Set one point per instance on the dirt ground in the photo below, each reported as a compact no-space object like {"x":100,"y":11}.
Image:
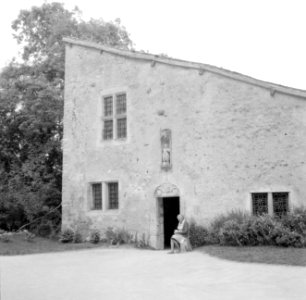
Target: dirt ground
{"x":97,"y":274}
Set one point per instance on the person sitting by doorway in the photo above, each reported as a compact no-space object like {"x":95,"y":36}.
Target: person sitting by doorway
{"x":180,"y":237}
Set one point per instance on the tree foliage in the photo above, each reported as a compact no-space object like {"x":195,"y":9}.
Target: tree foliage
{"x":31,"y":109}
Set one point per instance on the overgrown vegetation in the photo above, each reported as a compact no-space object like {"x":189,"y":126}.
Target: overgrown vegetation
{"x":67,"y":236}
{"x":118,"y":236}
{"x":31,"y":112}
{"x":233,"y":229}
{"x":198,"y":235}
{"x":95,"y":237}
{"x":111,"y":236}
{"x":239,"y":229}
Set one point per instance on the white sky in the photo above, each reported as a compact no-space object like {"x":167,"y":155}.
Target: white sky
{"x":265,"y":39}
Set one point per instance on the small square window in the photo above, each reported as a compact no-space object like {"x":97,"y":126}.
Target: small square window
{"x":108,"y":106}
{"x":121,"y":128}
{"x":260,"y":203}
{"x":97,"y":195}
{"x":121,"y":104}
{"x":280,"y":203}
{"x":113,"y":197}
{"x":108,"y":130}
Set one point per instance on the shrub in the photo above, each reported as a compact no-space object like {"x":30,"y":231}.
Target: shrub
{"x":282,"y":236}
{"x":143,"y":242}
{"x":29,"y":236}
{"x":77,"y":238}
{"x":251,"y":232}
{"x":239,"y":229}
{"x":260,"y":229}
{"x":118,"y":236}
{"x":198,"y":235}
{"x":218,"y":222}
{"x":290,"y":239}
{"x":110,"y":235}
{"x":232,"y":234}
{"x":5,"y":237}
{"x":245,"y":234}
{"x":67,"y":236}
{"x":295,"y":221}
{"x":44,"y":230}
{"x":123,"y":236}
{"x":95,"y":237}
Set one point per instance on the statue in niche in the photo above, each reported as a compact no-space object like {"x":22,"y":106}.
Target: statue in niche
{"x":166,"y":149}
{"x":166,"y":156}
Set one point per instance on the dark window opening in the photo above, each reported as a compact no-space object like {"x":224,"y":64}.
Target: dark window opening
{"x":280,"y":203}
{"x":121,"y":104}
{"x":121,"y":128}
{"x":114,"y":117}
{"x":113,"y":195}
{"x":97,"y":195}
{"x":108,"y":130}
{"x":108,"y":106}
{"x":260,"y":203}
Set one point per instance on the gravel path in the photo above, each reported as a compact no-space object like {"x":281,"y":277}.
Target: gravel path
{"x":143,"y":274}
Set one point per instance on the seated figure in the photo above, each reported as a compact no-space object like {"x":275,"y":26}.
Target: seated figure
{"x":180,"y":237}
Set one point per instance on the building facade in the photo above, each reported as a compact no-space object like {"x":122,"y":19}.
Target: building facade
{"x":147,"y":137}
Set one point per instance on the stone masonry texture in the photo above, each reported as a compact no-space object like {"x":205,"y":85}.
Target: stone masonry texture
{"x":229,"y":138}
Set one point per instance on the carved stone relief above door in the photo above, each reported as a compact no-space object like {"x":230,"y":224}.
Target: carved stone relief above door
{"x":167,"y":189}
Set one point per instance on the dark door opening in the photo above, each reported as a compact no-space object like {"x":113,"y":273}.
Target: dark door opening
{"x":171,"y":207}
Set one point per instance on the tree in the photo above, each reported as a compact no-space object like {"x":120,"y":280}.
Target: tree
{"x":31,"y":109}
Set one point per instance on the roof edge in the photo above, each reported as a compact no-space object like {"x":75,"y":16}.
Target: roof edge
{"x":273,"y":87}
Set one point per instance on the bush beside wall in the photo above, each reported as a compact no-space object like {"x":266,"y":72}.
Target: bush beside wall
{"x":233,"y":229}
{"x":239,"y":229}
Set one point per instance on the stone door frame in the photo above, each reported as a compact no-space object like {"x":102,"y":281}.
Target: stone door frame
{"x":165,"y":190}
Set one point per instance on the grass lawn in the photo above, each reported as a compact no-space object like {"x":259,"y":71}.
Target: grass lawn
{"x":266,"y":255}
{"x":18,"y":245}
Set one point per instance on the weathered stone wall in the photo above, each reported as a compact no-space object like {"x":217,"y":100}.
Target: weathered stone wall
{"x":229,"y":139}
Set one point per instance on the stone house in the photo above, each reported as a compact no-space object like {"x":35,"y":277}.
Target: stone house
{"x":147,"y":137}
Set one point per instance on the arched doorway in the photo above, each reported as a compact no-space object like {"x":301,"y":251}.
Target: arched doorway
{"x":168,"y":207}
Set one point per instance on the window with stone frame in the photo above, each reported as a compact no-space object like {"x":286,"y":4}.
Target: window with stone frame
{"x":280,"y":203}
{"x":108,"y":106}
{"x":113,"y":195}
{"x":121,"y":128}
{"x":115,"y":116}
{"x":97,"y":195}
{"x":108,"y":130}
{"x":259,"y":203}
